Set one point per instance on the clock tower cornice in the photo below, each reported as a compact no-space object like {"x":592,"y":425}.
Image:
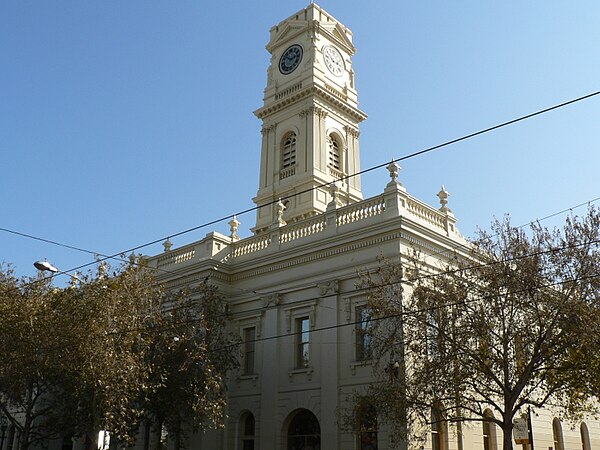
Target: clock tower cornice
{"x":313,"y":21}
{"x":334,"y":98}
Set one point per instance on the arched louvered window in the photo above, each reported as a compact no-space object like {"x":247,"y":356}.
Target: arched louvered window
{"x":288,"y":150}
{"x":334,"y":152}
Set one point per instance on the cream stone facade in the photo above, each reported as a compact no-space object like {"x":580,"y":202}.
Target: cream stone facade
{"x":291,"y":288}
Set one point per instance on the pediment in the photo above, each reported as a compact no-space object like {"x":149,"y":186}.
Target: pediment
{"x":287,"y":32}
{"x":337,"y":32}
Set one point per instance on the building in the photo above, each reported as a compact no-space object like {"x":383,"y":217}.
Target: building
{"x":291,"y":287}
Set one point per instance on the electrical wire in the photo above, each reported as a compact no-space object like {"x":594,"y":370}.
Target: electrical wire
{"x":403,"y":313}
{"x":245,"y":211}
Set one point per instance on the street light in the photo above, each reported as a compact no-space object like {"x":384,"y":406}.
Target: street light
{"x":45,"y":266}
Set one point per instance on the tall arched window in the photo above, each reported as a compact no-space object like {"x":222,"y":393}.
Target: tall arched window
{"x":489,"y":431}
{"x":439,"y":430}
{"x":247,"y":431}
{"x":585,"y":437}
{"x":304,"y":431}
{"x":367,"y":427}
{"x":334,"y":152}
{"x":557,"y":434}
{"x":288,"y":150}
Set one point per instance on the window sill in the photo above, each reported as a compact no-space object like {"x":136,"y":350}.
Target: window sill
{"x":307,"y":370}
{"x":248,"y":377}
{"x":361,"y":363}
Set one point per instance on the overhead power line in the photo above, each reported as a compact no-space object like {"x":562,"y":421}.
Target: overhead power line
{"x":245,"y":211}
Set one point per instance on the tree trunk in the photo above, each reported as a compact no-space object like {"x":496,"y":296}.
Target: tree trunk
{"x":24,"y":435}
{"x":507,"y":427}
{"x":177,"y":437}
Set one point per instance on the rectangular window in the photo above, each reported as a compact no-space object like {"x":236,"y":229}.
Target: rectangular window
{"x":433,"y":335}
{"x":249,"y":349}
{"x":302,"y":341}
{"x":363,"y":338}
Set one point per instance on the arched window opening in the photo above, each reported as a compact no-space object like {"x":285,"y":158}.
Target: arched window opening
{"x":557,"y":434}
{"x":439,"y":430}
{"x":304,"y":432}
{"x":288,"y":151}
{"x":585,"y":437}
{"x":334,"y":152}
{"x":489,"y":431}
{"x":367,"y":427}
{"x":247,"y":428}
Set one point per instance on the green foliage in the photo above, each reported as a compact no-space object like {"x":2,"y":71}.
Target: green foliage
{"x":189,"y":363}
{"x":514,"y":323}
{"x":108,"y":353}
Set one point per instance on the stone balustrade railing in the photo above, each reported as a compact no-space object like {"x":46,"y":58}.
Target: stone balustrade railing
{"x":250,"y":245}
{"x":228,"y":249}
{"x":426,"y":212}
{"x":360,"y":211}
{"x":177,"y":256}
{"x":302,"y":229}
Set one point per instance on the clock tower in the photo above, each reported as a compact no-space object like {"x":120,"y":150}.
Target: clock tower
{"x":310,"y":119}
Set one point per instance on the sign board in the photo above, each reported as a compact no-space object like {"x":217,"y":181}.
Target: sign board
{"x":520,"y":431}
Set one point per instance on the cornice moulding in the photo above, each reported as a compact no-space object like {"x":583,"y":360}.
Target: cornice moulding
{"x":316,"y":90}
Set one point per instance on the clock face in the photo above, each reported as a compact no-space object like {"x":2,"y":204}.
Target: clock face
{"x":290,"y":59}
{"x":333,"y":60}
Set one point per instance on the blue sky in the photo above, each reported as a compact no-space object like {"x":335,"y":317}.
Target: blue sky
{"x":123,"y":122}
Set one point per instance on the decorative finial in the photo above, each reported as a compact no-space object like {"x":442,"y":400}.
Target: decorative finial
{"x":233,"y":227}
{"x":394,"y":169}
{"x":334,"y":191}
{"x":167,"y":245}
{"x":443,"y":196}
{"x":74,"y":280}
{"x":102,"y":269}
{"x":280,"y":209}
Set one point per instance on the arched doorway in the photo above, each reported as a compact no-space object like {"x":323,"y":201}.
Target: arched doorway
{"x":303,"y":431}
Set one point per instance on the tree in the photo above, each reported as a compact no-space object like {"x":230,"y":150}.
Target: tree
{"x":190,"y":361}
{"x":72,"y":359}
{"x":28,"y":349}
{"x":95,"y":356}
{"x":513,"y":324}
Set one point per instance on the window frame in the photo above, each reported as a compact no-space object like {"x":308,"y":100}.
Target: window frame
{"x":489,"y":431}
{"x":334,"y":152}
{"x":439,"y":429}
{"x":585,"y":436}
{"x":288,"y":150}
{"x":302,"y":341}
{"x":368,"y":427}
{"x":362,"y":325}
{"x":249,"y":355}
{"x":303,"y":435}
{"x":557,"y":435}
